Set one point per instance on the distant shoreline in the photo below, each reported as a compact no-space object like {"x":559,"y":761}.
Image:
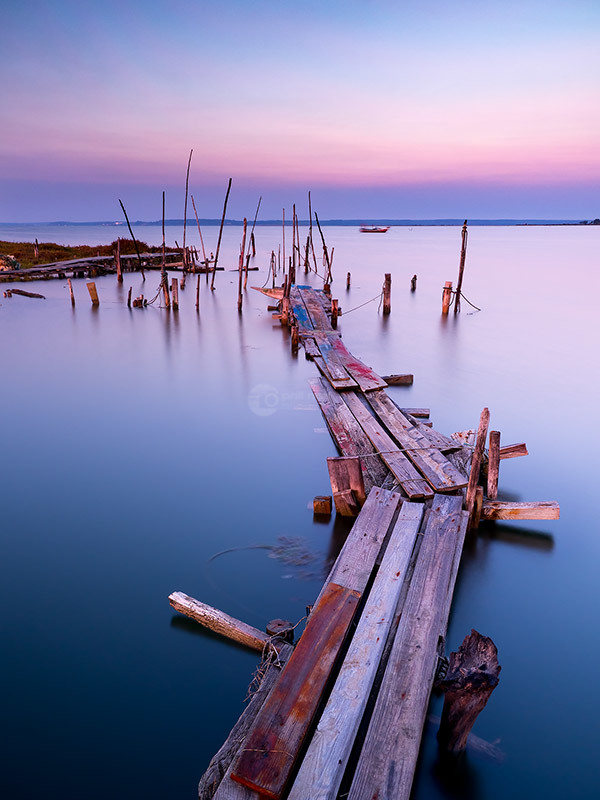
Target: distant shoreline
{"x":399,"y":223}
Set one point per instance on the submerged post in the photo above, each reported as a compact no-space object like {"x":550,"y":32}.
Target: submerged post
{"x":413,"y":283}
{"x":493,"y":465}
{"x":387,"y":293}
{"x":70,"y":285}
{"x":348,"y":280}
{"x":446,"y":297}
{"x":118,"y":261}
{"x":93,"y":293}
{"x":473,"y":674}
{"x":175,"y":293}
{"x":461,"y":269}
{"x":335,"y":310}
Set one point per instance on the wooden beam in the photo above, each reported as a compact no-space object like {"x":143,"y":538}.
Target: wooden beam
{"x":398,"y":380}
{"x":365,"y":377}
{"x":493,"y":465}
{"x":324,"y":764}
{"x":219,"y":621}
{"x":389,"y":755}
{"x":484,"y":421}
{"x":496,"y":509}
{"x":513,"y":450}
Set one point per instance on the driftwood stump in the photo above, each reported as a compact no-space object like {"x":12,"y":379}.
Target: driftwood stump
{"x":473,"y":674}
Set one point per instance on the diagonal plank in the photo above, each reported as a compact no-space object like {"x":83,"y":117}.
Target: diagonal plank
{"x":273,"y":745}
{"x":334,"y":365}
{"x":389,"y":756}
{"x":339,"y":384}
{"x":349,"y":437}
{"x":325,"y":761}
{"x":440,"y":473}
{"x":319,"y":318}
{"x":367,"y":379}
{"x":411,"y":481}
{"x":300,"y":312}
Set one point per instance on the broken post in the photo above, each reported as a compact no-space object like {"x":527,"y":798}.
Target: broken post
{"x":118,"y":261}
{"x":413,"y":283}
{"x":493,"y":465}
{"x":446,"y":297}
{"x":347,"y":484}
{"x":348,"y":279}
{"x":387,"y":293}
{"x":484,"y":422}
{"x":241,"y":267}
{"x":129,"y":297}
{"x":93,"y":293}
{"x":473,"y":674}
{"x":334,"y":313}
{"x":461,"y":269}
{"x":212,"y":283}
{"x":175,"y":293}
{"x":70,"y":285}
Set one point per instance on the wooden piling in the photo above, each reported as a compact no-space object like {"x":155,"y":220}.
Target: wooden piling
{"x":493,"y":465}
{"x":413,"y":283}
{"x":241,"y":267}
{"x":187,"y":182}
{"x":175,"y":293}
{"x":322,"y":505}
{"x":347,"y":485}
{"x":295,"y":338}
{"x":36,"y":249}
{"x":93,"y":293}
{"x":199,"y":233}
{"x":164,"y":280}
{"x":118,"y":261}
{"x":484,"y":422}
{"x":198,"y":293}
{"x":348,"y":280}
{"x":129,"y":297}
{"x":473,"y":674}
{"x":334,"y":313}
{"x":135,"y":244}
{"x":461,"y":268}
{"x":387,"y":293}
{"x":212,"y":283}
{"x":70,"y":285}
{"x":446,"y":297}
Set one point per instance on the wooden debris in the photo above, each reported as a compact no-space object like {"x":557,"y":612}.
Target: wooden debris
{"x":282,"y":628}
{"x":398,"y":380}
{"x":219,"y":622}
{"x":497,"y":509}
{"x":473,"y":674}
{"x":23,"y":293}
{"x":484,"y":421}
{"x":513,"y":451}
{"x":347,"y":485}
{"x":365,"y":377}
{"x":322,"y":504}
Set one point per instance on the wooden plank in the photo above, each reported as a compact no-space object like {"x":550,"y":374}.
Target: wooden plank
{"x":399,"y":380}
{"x":319,"y":318}
{"x":334,"y":365}
{"x":338,"y":385}
{"x":496,"y":509}
{"x":513,"y":450}
{"x":324,"y":764}
{"x":417,"y":412}
{"x":349,"y":437}
{"x":355,"y":562}
{"x":436,"y":468}
{"x":310,"y":346}
{"x":388,"y":759}
{"x":436,"y":439}
{"x":281,"y":725}
{"x":219,"y":769}
{"x":366,"y":378}
{"x":347,"y":484}
{"x":219,"y":622}
{"x":300,"y":312}
{"x":411,"y":481}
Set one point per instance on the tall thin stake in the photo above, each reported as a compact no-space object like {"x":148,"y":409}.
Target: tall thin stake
{"x":329,"y":278}
{"x":137,"y":249}
{"x":283,"y":241}
{"x":310,"y":233}
{"x":199,"y":232}
{"x":164,"y":281}
{"x":461,"y":269}
{"x":241,"y":267}
{"x":187,"y":182}
{"x":212,"y":283}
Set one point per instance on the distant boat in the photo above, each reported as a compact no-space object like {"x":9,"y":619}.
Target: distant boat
{"x":374,"y":228}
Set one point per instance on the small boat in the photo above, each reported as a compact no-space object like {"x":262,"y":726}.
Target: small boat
{"x":374,"y":228}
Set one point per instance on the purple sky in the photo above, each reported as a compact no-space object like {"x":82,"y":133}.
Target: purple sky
{"x":382,"y":109}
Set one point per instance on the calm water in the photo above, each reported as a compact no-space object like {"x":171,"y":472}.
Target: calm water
{"x":138,"y":444}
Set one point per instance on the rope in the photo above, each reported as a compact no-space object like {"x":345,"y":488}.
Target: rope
{"x":377,"y":297}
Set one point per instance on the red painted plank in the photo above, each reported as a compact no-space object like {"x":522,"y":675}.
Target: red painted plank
{"x":273,"y":744}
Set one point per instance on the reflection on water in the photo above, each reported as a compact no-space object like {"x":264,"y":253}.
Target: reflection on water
{"x":134,"y":449}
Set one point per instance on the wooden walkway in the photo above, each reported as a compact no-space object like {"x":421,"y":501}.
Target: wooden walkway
{"x":342,"y":714}
{"x":88,"y":267}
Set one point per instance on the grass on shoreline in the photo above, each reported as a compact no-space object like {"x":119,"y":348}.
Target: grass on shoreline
{"x":24,"y":252}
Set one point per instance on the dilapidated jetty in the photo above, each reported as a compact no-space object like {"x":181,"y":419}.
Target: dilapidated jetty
{"x":342,"y":713}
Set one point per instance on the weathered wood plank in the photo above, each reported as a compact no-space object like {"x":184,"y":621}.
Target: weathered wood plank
{"x":417,"y":412}
{"x":497,"y":509}
{"x":319,"y":318}
{"x":310,"y":346}
{"x":347,"y":484}
{"x":334,"y":365}
{"x":221,"y":762}
{"x":439,"y":472}
{"x":324,"y":764}
{"x":218,"y":621}
{"x":388,"y":759}
{"x":366,"y":378}
{"x":411,"y":481}
{"x":300,"y":312}
{"x":399,"y":380}
{"x":272,"y":746}
{"x":482,"y":430}
{"x":355,"y":562}
{"x":338,"y":385}
{"x":349,"y":437}
{"x":513,"y":450}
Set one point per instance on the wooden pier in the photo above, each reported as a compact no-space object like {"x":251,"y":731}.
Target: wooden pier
{"x":342,"y":713}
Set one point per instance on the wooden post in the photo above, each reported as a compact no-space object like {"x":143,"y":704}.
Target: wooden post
{"x":347,"y":485}
{"x":329,"y":277}
{"x":198,"y":293}
{"x":175,"y":293}
{"x":241,"y":267}
{"x":413,"y":283}
{"x":310,"y":232}
{"x":187,"y":182}
{"x":253,"y":244}
{"x":387,"y":293}
{"x":93,"y":293}
{"x":135,"y":244}
{"x":212,"y":283}
{"x":461,"y":268}
{"x":334,"y":313}
{"x":322,"y":505}
{"x":283,"y":239}
{"x":306,"y":253}
{"x":446,"y":297}
{"x":199,"y":233}
{"x":129,"y":297}
{"x":118,"y":260}
{"x":164,"y":280}
{"x":493,"y":465}
{"x":484,"y":422}
{"x":348,"y":279}
{"x":472,"y":676}
{"x":295,"y":338}
{"x":71,"y":291}
{"x":36,"y":249}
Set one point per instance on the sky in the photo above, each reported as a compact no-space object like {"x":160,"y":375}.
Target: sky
{"x":382,"y":109}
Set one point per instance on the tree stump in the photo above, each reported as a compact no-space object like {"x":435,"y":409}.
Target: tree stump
{"x":472,"y":676}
